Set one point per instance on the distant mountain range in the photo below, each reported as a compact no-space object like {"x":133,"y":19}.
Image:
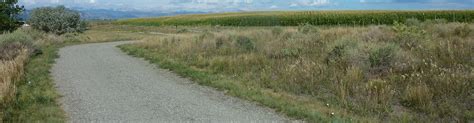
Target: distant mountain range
{"x":107,"y":14}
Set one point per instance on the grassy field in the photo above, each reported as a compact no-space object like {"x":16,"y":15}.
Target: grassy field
{"x":406,"y":72}
{"x":295,"y":18}
{"x":412,"y":71}
{"x":26,"y":88}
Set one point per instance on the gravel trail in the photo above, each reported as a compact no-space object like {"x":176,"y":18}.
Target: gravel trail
{"x":99,"y":83}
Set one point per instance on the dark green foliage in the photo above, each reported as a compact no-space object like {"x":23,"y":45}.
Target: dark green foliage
{"x":58,"y":20}
{"x":9,"y":11}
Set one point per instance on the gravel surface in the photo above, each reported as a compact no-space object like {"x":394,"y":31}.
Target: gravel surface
{"x":99,"y":83}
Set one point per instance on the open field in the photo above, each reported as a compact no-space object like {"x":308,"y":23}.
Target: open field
{"x":295,"y":18}
{"x":337,"y":66}
{"x":417,"y":71}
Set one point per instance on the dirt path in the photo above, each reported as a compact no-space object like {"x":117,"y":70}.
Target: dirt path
{"x":101,"y":84}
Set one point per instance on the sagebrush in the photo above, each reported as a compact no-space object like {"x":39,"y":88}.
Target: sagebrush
{"x":417,"y":72}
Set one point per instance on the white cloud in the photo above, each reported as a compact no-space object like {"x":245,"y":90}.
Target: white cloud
{"x":222,"y":1}
{"x":92,"y":1}
{"x":273,"y":7}
{"x":319,"y":2}
{"x":294,"y":5}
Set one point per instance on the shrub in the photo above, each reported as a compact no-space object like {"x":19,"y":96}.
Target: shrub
{"x":418,"y":96}
{"x":245,"y":43}
{"x":382,"y":57}
{"x":340,"y":54}
{"x":182,"y":31}
{"x":462,"y":31}
{"x":10,"y":44}
{"x":380,"y":93}
{"x":16,"y":37}
{"x":277,"y":31}
{"x":412,"y":22}
{"x":290,"y":52}
{"x":306,"y":28}
{"x":58,"y":20}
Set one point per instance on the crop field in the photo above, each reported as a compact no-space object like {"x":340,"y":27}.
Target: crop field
{"x":295,"y":18}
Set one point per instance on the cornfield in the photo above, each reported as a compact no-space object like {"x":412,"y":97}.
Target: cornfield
{"x":295,"y":18}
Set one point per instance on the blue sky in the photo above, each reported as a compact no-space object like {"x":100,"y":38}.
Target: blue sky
{"x":254,"y":5}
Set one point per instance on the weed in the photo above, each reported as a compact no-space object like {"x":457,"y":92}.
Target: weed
{"x":463,"y":30}
{"x":418,"y":96}
{"x":399,"y":72}
{"x":245,"y":43}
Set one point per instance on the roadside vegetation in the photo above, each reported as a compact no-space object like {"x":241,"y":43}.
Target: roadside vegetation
{"x":296,"y":18}
{"x":27,"y":89}
{"x":354,"y":66}
{"x":406,"y":72}
{"x":27,"y":92}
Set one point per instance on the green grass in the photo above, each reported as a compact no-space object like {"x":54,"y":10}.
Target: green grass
{"x":375,"y":73}
{"x":35,"y":99}
{"x":295,"y":18}
{"x":298,"y":108}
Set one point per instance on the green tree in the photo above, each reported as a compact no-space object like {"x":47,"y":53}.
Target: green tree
{"x":58,"y":20}
{"x":9,"y":11}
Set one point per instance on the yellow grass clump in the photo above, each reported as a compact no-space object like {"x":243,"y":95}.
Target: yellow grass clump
{"x":10,"y":72}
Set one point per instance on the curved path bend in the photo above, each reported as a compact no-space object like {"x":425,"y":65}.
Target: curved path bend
{"x":99,"y":83}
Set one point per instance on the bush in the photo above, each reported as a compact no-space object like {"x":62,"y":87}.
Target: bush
{"x":58,"y":20}
{"x":462,"y":31}
{"x":307,"y":28}
{"x":245,"y":43}
{"x":418,"y":96}
{"x":10,"y":44}
{"x":382,"y":57}
{"x":413,"y":22}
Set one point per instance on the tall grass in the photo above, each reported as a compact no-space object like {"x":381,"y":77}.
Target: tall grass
{"x":27,"y":92}
{"x":420,"y":72}
{"x":14,"y":52}
{"x":296,"y":18}
{"x":11,"y":72}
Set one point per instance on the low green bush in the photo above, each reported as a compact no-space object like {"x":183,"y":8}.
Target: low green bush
{"x":11,"y":43}
{"x":245,"y":43}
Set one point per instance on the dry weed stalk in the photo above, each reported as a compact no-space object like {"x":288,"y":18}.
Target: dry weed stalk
{"x":10,"y":72}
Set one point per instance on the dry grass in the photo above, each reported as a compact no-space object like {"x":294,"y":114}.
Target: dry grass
{"x":380,"y":72}
{"x":27,"y":91}
{"x":10,"y":72}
